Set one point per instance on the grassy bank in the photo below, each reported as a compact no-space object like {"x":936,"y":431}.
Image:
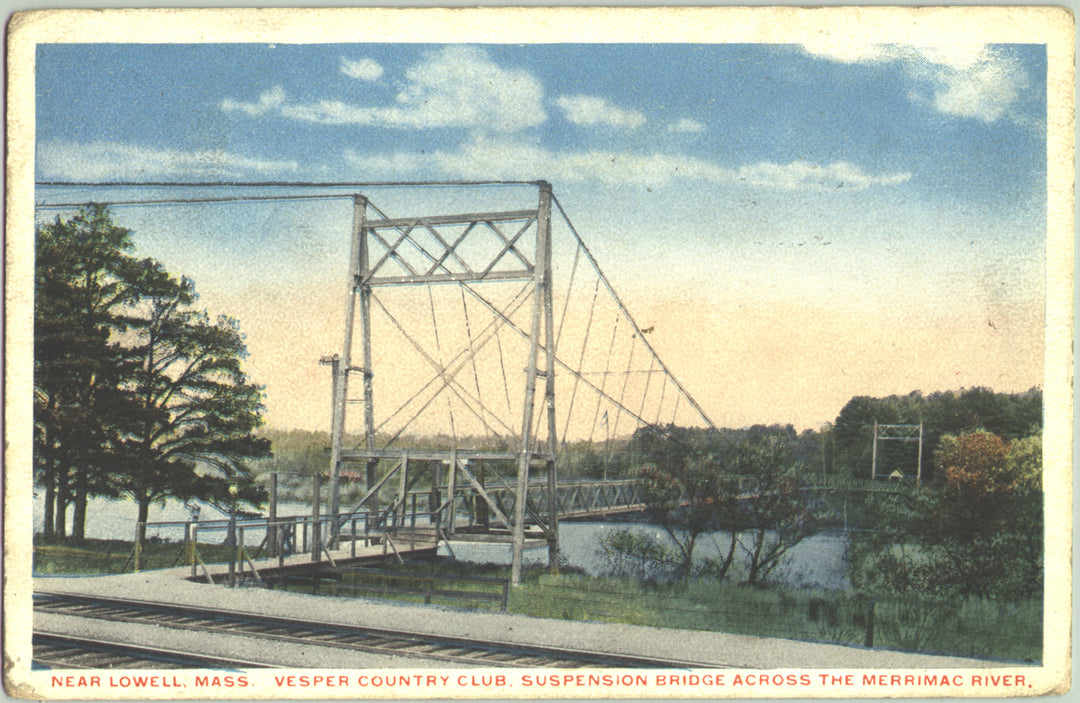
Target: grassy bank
{"x":101,"y":556}
{"x":970,"y":627}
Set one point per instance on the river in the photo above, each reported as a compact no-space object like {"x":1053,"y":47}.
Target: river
{"x":816,"y":562}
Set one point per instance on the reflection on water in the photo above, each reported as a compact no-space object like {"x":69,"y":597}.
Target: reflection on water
{"x":817,"y":561}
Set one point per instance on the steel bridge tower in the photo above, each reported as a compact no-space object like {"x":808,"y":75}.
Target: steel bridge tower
{"x":444,"y":264}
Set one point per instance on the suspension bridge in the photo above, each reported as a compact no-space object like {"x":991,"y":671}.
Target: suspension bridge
{"x":469,"y":378}
{"x":485,"y":319}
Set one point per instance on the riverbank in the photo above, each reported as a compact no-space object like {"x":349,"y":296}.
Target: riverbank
{"x":970,"y":628}
{"x":710,"y":648}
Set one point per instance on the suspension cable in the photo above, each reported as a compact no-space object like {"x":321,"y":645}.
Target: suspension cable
{"x":472,"y":354}
{"x":502,"y":366}
{"x":603,"y":380}
{"x":280,"y":184}
{"x":648,"y":380}
{"x":449,"y":381}
{"x":626,"y":379}
{"x":626,"y":313}
{"x":660,"y":407}
{"x":191,"y":201}
{"x":581,"y":361}
{"x":566,"y":302}
{"x":438,"y":351}
{"x":496,"y":321}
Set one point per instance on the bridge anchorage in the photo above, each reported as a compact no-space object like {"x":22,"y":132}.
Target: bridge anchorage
{"x":470,"y":325}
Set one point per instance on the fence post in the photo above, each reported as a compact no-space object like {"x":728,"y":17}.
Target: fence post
{"x":283,"y":533}
{"x":434,"y":498}
{"x":271,"y":524}
{"x":137,"y":566}
{"x":240,"y":553}
{"x":451,"y":489}
{"x":189,"y":551}
{"x":352,"y":533}
{"x":194,"y":549}
{"x":232,"y":566}
{"x":506,"y":595}
{"x":870,"y":623}
{"x":316,"y":517}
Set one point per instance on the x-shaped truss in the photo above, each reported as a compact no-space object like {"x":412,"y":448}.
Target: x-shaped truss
{"x":444,"y":259}
{"x":911,"y":433}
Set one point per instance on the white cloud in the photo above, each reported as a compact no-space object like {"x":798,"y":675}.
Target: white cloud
{"x":461,"y":86}
{"x":806,"y":176}
{"x":457,"y":86}
{"x":269,"y":100}
{"x":64,"y":159}
{"x":686,"y":126}
{"x":963,"y":80}
{"x":590,"y":111}
{"x":362,"y":70}
{"x":510,"y":159}
{"x":853,"y":51}
{"x":986,"y":90}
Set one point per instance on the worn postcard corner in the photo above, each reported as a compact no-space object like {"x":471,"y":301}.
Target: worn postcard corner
{"x":530,"y":353}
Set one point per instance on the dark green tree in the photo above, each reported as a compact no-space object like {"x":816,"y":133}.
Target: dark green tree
{"x":774,"y":512}
{"x":977,"y":532}
{"x":686,"y":498}
{"x":1008,"y":415}
{"x":194,"y":411}
{"x":983,"y":527}
{"x":135,"y":390}
{"x":83,"y":271}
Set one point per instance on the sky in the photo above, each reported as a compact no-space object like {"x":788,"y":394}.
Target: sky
{"x":798,"y":224}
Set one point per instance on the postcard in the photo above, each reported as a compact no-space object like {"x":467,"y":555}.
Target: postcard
{"x":528,"y":353}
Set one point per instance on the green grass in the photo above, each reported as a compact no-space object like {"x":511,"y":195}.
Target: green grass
{"x":97,"y":556}
{"x":971,"y":627}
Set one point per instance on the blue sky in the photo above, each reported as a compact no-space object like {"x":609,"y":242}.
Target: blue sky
{"x":805,"y":224}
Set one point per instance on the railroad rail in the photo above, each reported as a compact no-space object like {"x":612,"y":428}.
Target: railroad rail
{"x":58,"y":651}
{"x":442,"y":648}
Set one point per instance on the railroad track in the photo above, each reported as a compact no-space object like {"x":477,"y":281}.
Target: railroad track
{"x":56,"y":651}
{"x":457,"y":650}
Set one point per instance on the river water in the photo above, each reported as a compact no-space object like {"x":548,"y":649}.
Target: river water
{"x":816,"y":562}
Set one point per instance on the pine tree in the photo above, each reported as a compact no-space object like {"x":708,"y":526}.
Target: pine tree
{"x":193,"y":411}
{"x":81,"y":282}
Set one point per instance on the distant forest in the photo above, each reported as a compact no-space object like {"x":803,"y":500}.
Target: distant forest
{"x":843,"y":447}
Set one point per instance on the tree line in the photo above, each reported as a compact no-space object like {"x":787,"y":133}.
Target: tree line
{"x":972,"y":527}
{"x":137,"y":391}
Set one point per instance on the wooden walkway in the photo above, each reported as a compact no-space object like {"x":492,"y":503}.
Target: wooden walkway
{"x":366,"y":550}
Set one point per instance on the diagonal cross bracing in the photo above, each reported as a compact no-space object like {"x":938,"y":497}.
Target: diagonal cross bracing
{"x":442,"y":373}
{"x":406,"y":227}
{"x":559,"y":362}
{"x":461,"y":359}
